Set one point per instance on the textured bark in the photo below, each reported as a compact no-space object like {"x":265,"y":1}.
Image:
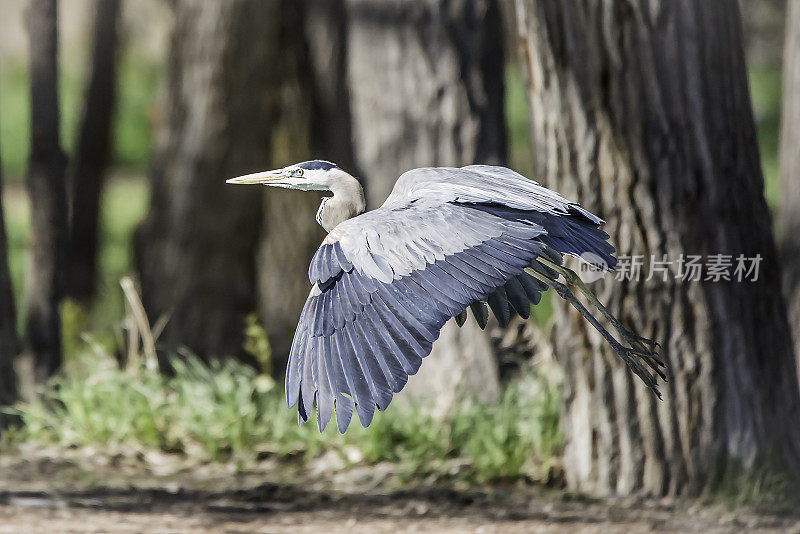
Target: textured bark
{"x":426,"y":87}
{"x":92,"y":152}
{"x":789,"y":199}
{"x":322,"y":70}
{"x":47,"y":191}
{"x":195,"y":251}
{"x":8,"y":321}
{"x":314,"y":123}
{"x":641,"y":111}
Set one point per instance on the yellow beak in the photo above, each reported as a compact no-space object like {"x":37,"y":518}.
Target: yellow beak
{"x":264,"y":177}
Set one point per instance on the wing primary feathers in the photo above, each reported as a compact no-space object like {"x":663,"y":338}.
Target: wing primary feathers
{"x":392,"y":372}
{"x":480,"y":312}
{"x":346,"y":366}
{"x":343,"y":405}
{"x":376,"y":381}
{"x":533,"y":287}
{"x":399,"y":364}
{"x":403,"y":323}
{"x":428,"y":282}
{"x":461,"y":291}
{"x":325,"y":386}
{"x":517,"y":298}
{"x":480,"y":261}
{"x":478,"y":287}
{"x":409,"y":352}
{"x":293,"y":369}
{"x":498,"y":302}
{"x":486,"y":276}
{"x":406,"y":313}
{"x":307,"y":382}
{"x":365,"y":405}
{"x":420,"y":307}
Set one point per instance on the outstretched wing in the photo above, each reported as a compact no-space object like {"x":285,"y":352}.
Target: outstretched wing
{"x":385,"y":282}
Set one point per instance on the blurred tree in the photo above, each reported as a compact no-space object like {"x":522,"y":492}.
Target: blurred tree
{"x":195,"y":251}
{"x":426,"y":88}
{"x":314,"y":123}
{"x":641,"y":111}
{"x":92,"y":152}
{"x":47,"y":191}
{"x":789,"y":199}
{"x":8,"y":321}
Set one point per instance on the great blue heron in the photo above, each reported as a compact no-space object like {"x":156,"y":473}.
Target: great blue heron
{"x":446,"y":239}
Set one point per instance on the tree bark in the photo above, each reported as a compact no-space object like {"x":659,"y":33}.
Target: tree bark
{"x":47,"y":191}
{"x":641,"y":111}
{"x":789,"y":199}
{"x":314,"y":124}
{"x":8,"y":321}
{"x":196,"y":249}
{"x":426,"y":88}
{"x":92,"y":152}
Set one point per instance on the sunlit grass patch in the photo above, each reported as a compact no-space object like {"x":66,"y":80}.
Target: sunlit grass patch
{"x":226,"y":410}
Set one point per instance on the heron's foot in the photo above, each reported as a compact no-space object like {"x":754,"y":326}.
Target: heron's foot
{"x":646,"y":350}
{"x":641,"y":356}
{"x":572,"y":278}
{"x":632,"y":338}
{"x":633,"y":358}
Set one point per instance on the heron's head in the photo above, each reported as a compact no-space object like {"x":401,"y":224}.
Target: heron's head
{"x":315,"y":175}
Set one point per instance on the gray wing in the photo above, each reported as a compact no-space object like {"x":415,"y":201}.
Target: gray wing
{"x":386,"y":282}
{"x":484,"y":184}
{"x":571,"y":229}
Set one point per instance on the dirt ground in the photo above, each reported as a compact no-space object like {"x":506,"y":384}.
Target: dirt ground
{"x":276,"y":509}
{"x":90,"y":492}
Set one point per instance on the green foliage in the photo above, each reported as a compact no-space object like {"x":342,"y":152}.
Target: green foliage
{"x":137,"y":84}
{"x":256,"y":343}
{"x":136,"y":112}
{"x":517,"y":115}
{"x":225,"y":410}
{"x":765,"y":91}
{"x":14,"y":117}
{"x":502,"y":437}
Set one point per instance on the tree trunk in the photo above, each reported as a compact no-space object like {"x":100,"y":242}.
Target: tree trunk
{"x":314,"y":124}
{"x":426,"y":88}
{"x":641,"y":111}
{"x":8,"y":321}
{"x":92,"y":152}
{"x":196,"y":249}
{"x":47,"y":191}
{"x":789,"y":199}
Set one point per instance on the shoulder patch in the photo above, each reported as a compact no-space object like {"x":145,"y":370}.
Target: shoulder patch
{"x":335,"y":235}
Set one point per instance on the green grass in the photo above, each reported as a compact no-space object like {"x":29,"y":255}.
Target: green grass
{"x":227,"y":411}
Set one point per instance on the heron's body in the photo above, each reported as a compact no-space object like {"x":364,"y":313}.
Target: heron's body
{"x":385,"y":282}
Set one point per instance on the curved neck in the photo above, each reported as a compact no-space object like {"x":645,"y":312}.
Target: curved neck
{"x":347,"y":201}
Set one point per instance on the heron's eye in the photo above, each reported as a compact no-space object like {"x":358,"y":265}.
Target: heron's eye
{"x":298,"y":172}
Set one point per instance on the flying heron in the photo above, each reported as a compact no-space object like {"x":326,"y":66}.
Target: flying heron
{"x":446,"y":239}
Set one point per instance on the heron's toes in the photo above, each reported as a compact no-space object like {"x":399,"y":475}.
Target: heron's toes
{"x":632,"y":337}
{"x":632,"y":358}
